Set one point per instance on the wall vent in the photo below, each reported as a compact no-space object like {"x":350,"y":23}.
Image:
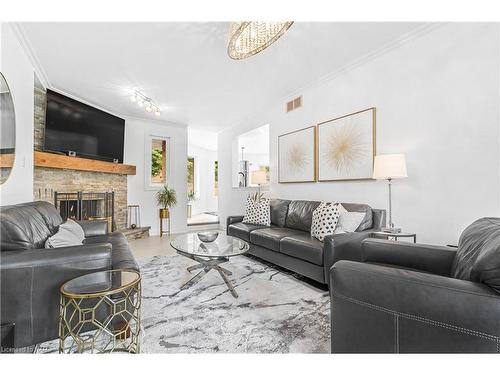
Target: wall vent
{"x":294,"y":104}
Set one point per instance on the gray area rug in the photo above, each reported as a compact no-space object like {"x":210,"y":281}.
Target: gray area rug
{"x":276,"y":312}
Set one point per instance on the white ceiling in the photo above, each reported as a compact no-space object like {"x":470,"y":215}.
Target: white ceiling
{"x":185,"y":69}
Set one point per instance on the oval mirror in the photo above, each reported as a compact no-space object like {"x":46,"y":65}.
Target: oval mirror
{"x":7,"y":130}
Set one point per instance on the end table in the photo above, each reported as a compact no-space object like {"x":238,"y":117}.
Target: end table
{"x":395,"y":236}
{"x":100,"y":312}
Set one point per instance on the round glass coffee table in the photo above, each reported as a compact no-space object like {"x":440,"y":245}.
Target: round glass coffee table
{"x":209,"y":255}
{"x":100,"y":312}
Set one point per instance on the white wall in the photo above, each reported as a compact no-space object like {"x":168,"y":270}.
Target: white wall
{"x":437,"y":100}
{"x":136,"y":132}
{"x":19,"y":73}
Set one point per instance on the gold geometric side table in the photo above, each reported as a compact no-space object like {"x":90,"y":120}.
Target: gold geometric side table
{"x":101,"y":313}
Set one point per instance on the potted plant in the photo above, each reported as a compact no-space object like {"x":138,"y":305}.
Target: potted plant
{"x":167,"y":198}
{"x":190,"y":199}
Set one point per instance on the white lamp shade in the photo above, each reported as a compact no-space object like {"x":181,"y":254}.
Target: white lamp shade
{"x":389,"y":166}
{"x":259,"y":177}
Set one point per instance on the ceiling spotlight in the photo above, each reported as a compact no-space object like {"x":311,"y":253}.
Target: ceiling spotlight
{"x":145,"y":102}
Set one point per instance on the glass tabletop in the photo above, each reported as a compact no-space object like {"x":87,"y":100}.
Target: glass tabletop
{"x":223,"y":246}
{"x":100,"y":283}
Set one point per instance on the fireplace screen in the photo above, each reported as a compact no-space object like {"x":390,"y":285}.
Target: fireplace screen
{"x":86,"y":206}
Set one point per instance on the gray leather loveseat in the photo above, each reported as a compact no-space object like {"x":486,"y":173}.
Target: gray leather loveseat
{"x":32,"y":275}
{"x":288,"y":242}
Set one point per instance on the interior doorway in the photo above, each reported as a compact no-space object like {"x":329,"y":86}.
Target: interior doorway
{"x":202,"y":178}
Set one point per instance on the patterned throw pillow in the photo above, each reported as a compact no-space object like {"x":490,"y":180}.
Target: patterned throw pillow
{"x":325,"y":219}
{"x":348,"y":221}
{"x":258,"y":211}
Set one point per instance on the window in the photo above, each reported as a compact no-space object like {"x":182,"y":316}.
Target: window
{"x":216,"y":178}
{"x":157,"y":163}
{"x":190,"y":177}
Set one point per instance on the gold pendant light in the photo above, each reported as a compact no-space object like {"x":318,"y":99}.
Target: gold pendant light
{"x":249,"y":38}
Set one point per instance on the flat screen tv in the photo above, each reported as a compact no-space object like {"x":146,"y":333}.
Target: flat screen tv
{"x":71,"y":126}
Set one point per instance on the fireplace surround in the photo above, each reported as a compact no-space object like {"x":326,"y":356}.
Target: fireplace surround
{"x":86,"y":206}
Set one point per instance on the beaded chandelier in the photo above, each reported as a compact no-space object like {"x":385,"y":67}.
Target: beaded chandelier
{"x":249,"y":38}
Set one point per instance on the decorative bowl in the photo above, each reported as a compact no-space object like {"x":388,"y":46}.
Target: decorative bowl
{"x":208,"y":236}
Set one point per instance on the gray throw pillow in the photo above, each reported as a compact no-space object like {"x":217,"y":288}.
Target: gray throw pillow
{"x":70,"y":233}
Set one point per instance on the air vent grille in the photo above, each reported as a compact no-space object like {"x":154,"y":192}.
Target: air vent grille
{"x":294,"y":104}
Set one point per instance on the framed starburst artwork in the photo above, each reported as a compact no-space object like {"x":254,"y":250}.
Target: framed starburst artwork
{"x":297,"y":156}
{"x":346,"y":147}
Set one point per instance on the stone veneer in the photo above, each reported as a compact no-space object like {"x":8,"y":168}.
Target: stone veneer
{"x":39,"y":112}
{"x":49,"y":180}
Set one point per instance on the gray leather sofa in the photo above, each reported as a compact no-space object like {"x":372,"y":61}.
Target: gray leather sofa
{"x":32,"y":275}
{"x":414,"y":298}
{"x":288,"y":242}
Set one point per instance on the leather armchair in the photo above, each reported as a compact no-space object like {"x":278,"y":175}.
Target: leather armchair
{"x":407,"y":298}
{"x":30,"y":286}
{"x":30,"y":275}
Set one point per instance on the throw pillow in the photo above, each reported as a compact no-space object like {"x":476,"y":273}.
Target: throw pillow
{"x":324,"y":220}
{"x":257,"y":211}
{"x":348,"y":221}
{"x":70,"y":233}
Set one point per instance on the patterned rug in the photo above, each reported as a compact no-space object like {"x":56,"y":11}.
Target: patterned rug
{"x":276,"y":312}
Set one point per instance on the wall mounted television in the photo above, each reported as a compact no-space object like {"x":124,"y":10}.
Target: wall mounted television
{"x":72,"y":126}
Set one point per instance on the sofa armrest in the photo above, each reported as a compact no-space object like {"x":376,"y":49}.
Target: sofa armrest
{"x":30,"y":283}
{"x":233,"y":219}
{"x":383,"y":309}
{"x":345,"y":246}
{"x":429,"y":258}
{"x":55,"y":256}
{"x":93,"y":228}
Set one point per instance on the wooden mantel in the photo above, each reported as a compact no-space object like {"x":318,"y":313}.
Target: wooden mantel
{"x":49,"y":160}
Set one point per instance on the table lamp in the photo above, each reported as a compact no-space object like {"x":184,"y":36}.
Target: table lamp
{"x":387,"y":167}
{"x":259,"y":178}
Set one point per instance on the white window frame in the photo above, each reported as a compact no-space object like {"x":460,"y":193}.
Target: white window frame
{"x":148,"y":183}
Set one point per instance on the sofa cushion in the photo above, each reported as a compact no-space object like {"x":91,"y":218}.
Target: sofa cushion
{"x":478,"y":254}
{"x":325,"y":219}
{"x":348,"y":221}
{"x":121,"y":255}
{"x":270,"y":237}
{"x":303,"y":246}
{"x":27,"y":225}
{"x":70,"y":233}
{"x":300,"y":215}
{"x":257,"y":211}
{"x":367,"y":222}
{"x":242,"y":230}
{"x":279,"y":210}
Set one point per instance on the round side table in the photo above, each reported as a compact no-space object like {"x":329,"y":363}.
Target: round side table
{"x":101,"y":313}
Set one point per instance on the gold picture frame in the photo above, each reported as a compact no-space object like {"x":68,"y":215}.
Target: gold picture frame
{"x":357,"y":147}
{"x":302,"y":153}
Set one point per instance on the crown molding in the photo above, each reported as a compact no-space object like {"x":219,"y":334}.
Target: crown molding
{"x":363,"y":60}
{"x":156,"y":121}
{"x":370,"y":56}
{"x":30,"y":52}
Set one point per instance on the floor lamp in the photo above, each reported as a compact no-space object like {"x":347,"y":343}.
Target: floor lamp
{"x":388,"y":167}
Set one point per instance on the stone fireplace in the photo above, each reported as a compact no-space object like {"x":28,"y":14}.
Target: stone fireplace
{"x":79,"y":177}
{"x":49,"y":181}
